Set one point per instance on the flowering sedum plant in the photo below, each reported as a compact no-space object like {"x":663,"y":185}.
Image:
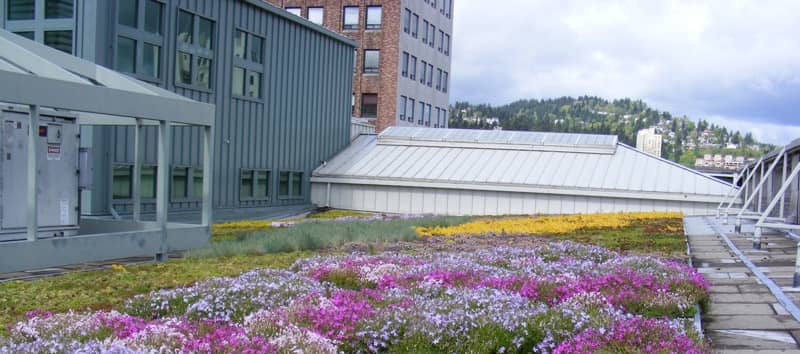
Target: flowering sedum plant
{"x":560,"y":297}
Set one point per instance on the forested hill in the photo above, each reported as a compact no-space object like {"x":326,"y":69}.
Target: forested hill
{"x":684,"y":139}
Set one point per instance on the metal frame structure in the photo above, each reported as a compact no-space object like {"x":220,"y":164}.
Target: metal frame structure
{"x":38,"y":77}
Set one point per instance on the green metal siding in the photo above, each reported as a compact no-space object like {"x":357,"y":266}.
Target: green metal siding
{"x":302,"y":119}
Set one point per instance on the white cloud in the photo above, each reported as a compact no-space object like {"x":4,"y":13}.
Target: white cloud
{"x":718,"y":58}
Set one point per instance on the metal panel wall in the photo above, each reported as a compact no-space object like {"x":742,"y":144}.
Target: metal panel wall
{"x":302,"y":119}
{"x":468,"y":202}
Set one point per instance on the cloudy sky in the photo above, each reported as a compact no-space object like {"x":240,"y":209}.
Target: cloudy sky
{"x":732,"y":62}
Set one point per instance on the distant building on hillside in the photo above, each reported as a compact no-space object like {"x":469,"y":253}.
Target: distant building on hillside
{"x":648,"y":141}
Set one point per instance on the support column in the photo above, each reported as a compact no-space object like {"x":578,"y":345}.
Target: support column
{"x":796,"y":278}
{"x":761,"y":190}
{"x":783,"y":177}
{"x":208,"y":172}
{"x":33,"y":163}
{"x":137,"y":171}
{"x":757,"y":238}
{"x":162,"y":182}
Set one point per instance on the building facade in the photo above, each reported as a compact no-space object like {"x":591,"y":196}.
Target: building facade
{"x":648,"y":141}
{"x":402,"y":70}
{"x":281,"y":86}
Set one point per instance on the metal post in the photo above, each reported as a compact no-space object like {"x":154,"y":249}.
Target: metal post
{"x":328,"y":196}
{"x":757,"y":191}
{"x":137,"y":171}
{"x":162,"y":182}
{"x":786,"y":184}
{"x":208,"y":172}
{"x":796,"y":278}
{"x":33,"y":156}
{"x":760,"y":190}
{"x":741,"y":190}
{"x":783,"y":177}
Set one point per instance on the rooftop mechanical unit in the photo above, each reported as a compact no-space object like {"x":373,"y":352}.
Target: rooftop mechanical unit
{"x":57,"y":169}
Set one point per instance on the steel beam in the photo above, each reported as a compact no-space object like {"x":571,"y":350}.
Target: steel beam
{"x":137,"y":170}
{"x":757,"y":191}
{"x":741,"y":190}
{"x":761,"y":221}
{"x":208,"y":172}
{"x":162,"y":182}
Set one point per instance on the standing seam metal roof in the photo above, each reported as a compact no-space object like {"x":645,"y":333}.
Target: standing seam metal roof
{"x":450,"y":162}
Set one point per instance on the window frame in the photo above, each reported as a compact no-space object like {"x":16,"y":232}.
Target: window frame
{"x":254,"y":182}
{"x":370,"y":70}
{"x":424,"y":72}
{"x":402,"y":107}
{"x":430,"y":75}
{"x":373,"y":27}
{"x":407,"y":21}
{"x":291,"y":9}
{"x":292,"y":174}
{"x":248,"y":65}
{"x":425,"y":35}
{"x":308,"y":14}
{"x":412,"y":69}
{"x":142,"y":37}
{"x":351,"y":26}
{"x":415,"y":26}
{"x":129,"y":165}
{"x":189,"y":184}
{"x":377,"y":98}
{"x":410,"y":114}
{"x":404,"y":61}
{"x":197,"y":52}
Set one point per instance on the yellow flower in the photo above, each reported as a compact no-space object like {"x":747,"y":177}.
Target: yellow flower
{"x":552,"y":225}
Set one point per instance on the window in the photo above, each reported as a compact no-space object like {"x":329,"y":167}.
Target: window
{"x":444,"y":118}
{"x":316,"y":15}
{"x":254,"y":184}
{"x":193,"y":62}
{"x":27,"y":34}
{"x":126,"y":12}
{"x":350,"y":21}
{"x":421,"y":112}
{"x":446,"y":44}
{"x":126,"y":55}
{"x":58,"y":8}
{"x":61,"y":40}
{"x":262,"y":184}
{"x":432,"y":35}
{"x":197,"y":182}
{"x":369,"y":105}
{"x":412,"y":69}
{"x":122,"y":182}
{"x":410,"y":110}
{"x":180,"y":182}
{"x":407,"y":21}
{"x":438,"y":79}
{"x":414,"y":25}
{"x":153,"y":15}
{"x":436,"y":123}
{"x":423,"y":73}
{"x":425,"y":27}
{"x":148,"y":184}
{"x":371,"y":61}
{"x":441,"y":41}
{"x":294,"y":11}
{"x":401,"y":107}
{"x":449,"y":8}
{"x":444,"y":81}
{"x":290,"y":184}
{"x":20,"y":10}
{"x":248,"y":68}
{"x":430,"y":75}
{"x":404,"y":65}
{"x":374,"y":17}
{"x":427,"y":115}
{"x":151,"y":60}
{"x":441,"y":10}
{"x":433,"y":4}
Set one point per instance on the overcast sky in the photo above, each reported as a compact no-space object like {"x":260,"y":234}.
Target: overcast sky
{"x":732,"y":62}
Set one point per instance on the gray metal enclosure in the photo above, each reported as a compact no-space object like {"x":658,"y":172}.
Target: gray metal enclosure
{"x":300,"y":118}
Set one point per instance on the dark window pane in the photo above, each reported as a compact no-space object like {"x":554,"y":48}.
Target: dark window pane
{"x":203,"y":75}
{"x":246,"y":185}
{"x":262,"y":184}
{"x":153,"y":17}
{"x":256,"y":47}
{"x":369,"y":105}
{"x":373,"y":17}
{"x":126,"y":12}
{"x":180,"y":181}
{"x":148,"y":182}
{"x":58,"y":8}
{"x":126,"y":55}
{"x":371,"y":61}
{"x":254,"y":84}
{"x":283,"y":184}
{"x":20,"y":9}
{"x":205,"y":34}
{"x":350,"y":17}
{"x":197,"y":183}
{"x":151,"y":60}
{"x":239,"y":43}
{"x":183,"y":68}
{"x":28,"y":34}
{"x":61,"y":40}
{"x":297,"y":184}
{"x":237,"y":82}
{"x":185,"y":27}
{"x":121,"y":182}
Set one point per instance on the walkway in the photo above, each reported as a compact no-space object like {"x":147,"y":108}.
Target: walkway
{"x":744,"y":316}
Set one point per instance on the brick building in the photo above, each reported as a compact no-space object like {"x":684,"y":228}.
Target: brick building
{"x":402,"y":69}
